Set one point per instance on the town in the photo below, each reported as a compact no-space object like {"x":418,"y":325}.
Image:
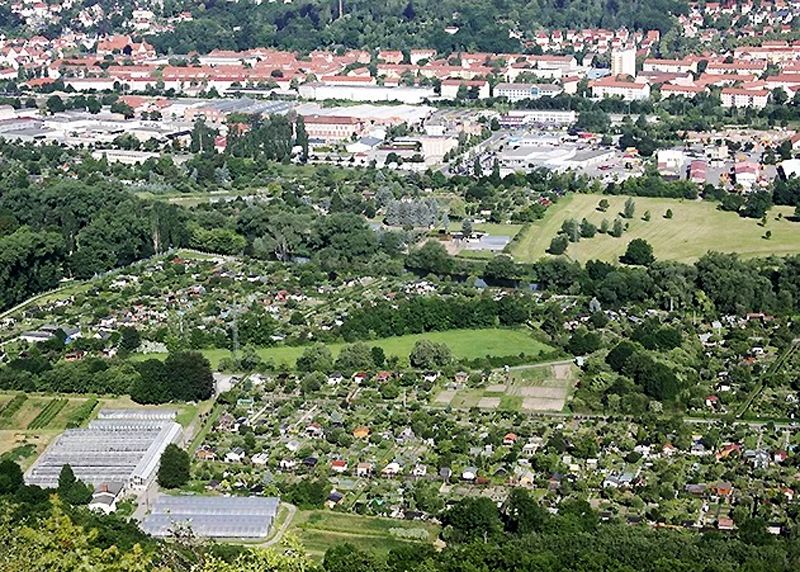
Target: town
{"x":415,"y":286}
{"x":416,"y":109}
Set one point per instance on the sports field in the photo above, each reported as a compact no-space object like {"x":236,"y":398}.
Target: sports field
{"x":465,"y":344}
{"x":695,"y":228}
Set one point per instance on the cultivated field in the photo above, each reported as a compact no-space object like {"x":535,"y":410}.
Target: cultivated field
{"x":695,"y":228}
{"x":537,"y":388}
{"x":465,"y":344}
{"x":29,"y":422}
{"x":320,"y":530}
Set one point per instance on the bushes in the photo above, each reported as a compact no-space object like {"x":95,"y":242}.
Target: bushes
{"x":494,"y":362}
{"x":82,"y":413}
{"x":47,"y":414}
{"x":638,"y":252}
{"x":183,"y":376}
{"x":173,"y":472}
{"x":13,"y":406}
{"x":307,"y":494}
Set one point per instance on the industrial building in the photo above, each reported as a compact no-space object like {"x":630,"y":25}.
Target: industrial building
{"x":521,"y":91}
{"x":373,"y":93}
{"x":519,"y":118}
{"x":531,"y":154}
{"x":212,"y":517}
{"x":121,"y":446}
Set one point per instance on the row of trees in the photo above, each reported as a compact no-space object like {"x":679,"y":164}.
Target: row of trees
{"x":318,"y":358}
{"x":182,"y":376}
{"x":432,"y":313}
{"x":717,"y":282}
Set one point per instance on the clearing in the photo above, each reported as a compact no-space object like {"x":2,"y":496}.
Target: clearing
{"x":319,"y":530}
{"x":545,"y":387}
{"x":695,"y":228}
{"x":465,"y":344}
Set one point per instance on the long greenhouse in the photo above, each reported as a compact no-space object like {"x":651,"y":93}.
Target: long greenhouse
{"x":113,"y":449}
{"x":212,"y":517}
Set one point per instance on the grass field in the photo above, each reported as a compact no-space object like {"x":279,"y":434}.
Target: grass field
{"x":465,"y":344}
{"x":320,"y":530}
{"x":695,"y":228}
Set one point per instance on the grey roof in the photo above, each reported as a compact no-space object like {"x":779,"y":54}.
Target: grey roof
{"x":124,"y":450}
{"x":218,"y":517}
{"x":370,"y":141}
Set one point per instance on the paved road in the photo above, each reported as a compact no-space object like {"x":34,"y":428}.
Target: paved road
{"x":145,"y":501}
{"x":278,"y":534}
{"x":147,"y":497}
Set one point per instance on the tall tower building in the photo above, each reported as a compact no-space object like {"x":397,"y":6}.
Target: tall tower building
{"x":623,"y":62}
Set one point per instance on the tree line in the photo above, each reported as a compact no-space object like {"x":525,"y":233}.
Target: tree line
{"x":401,"y":24}
{"x":433,"y":313}
{"x":68,"y":229}
{"x":182,"y":376}
{"x":729,"y":284}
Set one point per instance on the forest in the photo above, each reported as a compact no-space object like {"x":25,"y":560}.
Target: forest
{"x":399,"y":24}
{"x":66,"y":229}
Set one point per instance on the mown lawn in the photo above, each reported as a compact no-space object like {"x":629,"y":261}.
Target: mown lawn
{"x":465,"y":344}
{"x":695,"y":228}
{"x":319,"y":530}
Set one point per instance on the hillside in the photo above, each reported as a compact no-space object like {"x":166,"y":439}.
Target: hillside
{"x":402,"y":24}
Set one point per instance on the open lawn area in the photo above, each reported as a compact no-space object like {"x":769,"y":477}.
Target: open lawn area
{"x":319,"y":530}
{"x":695,"y":228}
{"x":465,"y":344}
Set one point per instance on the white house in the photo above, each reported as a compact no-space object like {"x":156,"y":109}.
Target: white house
{"x":737,"y":97}
{"x":236,"y":455}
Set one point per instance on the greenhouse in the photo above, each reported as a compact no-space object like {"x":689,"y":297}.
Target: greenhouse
{"x":212,"y":517}
{"x":114,"y":449}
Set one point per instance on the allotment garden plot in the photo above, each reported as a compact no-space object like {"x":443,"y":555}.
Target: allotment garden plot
{"x":536,"y":388}
{"x":27,"y":423}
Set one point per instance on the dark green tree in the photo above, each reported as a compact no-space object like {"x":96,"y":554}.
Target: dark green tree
{"x":639,"y":252}
{"x":174,"y":469}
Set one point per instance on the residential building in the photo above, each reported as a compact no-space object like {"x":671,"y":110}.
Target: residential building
{"x":520,"y":91}
{"x":623,"y":61}
{"x":613,"y":87}
{"x":738,"y":97}
{"x":476,"y":89}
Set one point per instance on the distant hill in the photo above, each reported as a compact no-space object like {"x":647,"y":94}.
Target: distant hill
{"x":446,"y":25}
